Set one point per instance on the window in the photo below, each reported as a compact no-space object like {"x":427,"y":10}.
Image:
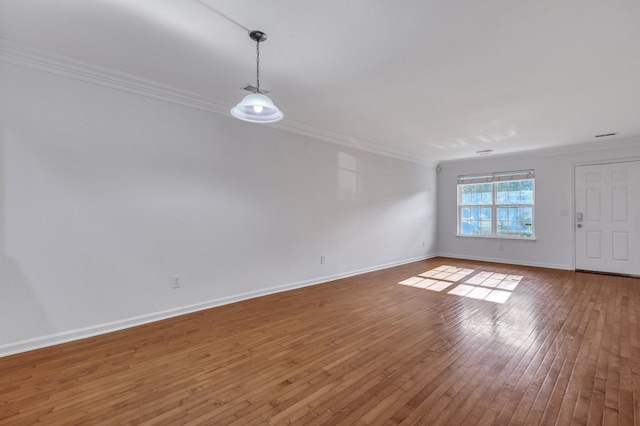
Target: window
{"x":496,"y":205}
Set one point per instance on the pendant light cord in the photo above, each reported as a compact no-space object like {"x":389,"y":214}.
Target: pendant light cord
{"x":216,"y":11}
{"x":223,"y":15}
{"x":258,"y":66}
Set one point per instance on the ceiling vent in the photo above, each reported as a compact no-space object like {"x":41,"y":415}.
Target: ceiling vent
{"x":485,"y":152}
{"x":604,"y":135}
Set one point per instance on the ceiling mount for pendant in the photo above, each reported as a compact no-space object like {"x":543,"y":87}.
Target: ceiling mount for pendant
{"x":257,"y":36}
{"x":257,"y":107}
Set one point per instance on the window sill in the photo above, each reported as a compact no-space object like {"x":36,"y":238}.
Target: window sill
{"x":495,"y":237}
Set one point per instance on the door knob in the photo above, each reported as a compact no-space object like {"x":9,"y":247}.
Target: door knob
{"x":579,"y":225}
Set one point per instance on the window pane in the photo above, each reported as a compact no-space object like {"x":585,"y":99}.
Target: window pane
{"x":487,"y":192}
{"x":514,"y":197}
{"x":465,"y":227}
{"x":475,"y":227}
{"x":503,"y":213}
{"x":486,"y":198}
{"x":513,"y":208}
{"x":475,"y":194}
{"x":476,"y":198}
{"x":465,"y":194}
{"x":485,"y":227}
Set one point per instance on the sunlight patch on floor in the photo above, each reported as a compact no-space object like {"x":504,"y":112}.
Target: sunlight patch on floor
{"x":489,"y":286}
{"x":485,"y":285}
{"x":439,"y":278}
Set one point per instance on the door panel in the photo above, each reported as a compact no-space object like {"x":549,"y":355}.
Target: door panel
{"x":593,"y":204}
{"x":620,"y":204}
{"x":607,"y":199}
{"x":620,"y":246}
{"x":594,"y":242}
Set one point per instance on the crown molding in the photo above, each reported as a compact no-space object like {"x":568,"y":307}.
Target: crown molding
{"x":49,"y":62}
{"x":631,"y":142}
{"x":301,"y":129}
{"x":64,"y":66}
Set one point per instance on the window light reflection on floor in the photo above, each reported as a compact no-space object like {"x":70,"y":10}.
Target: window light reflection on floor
{"x":485,"y":285}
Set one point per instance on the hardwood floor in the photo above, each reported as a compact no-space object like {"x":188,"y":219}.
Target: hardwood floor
{"x":563,"y":349}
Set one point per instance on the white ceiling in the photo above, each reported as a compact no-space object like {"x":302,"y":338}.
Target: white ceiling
{"x":434,"y":80}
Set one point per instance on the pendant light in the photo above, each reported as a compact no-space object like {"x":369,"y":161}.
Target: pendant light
{"x":257,"y":107}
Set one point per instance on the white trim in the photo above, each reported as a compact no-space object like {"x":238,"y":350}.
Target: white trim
{"x":335,"y":138}
{"x":83,"y":333}
{"x":496,"y":237}
{"x":77,"y":70}
{"x":573,"y":216}
{"x":507,"y":261}
{"x":496,"y":177}
{"x":607,"y":161}
{"x":591,"y":146}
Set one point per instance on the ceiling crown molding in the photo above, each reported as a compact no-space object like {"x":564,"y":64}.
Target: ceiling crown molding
{"x":590,"y":146}
{"x":338,"y":139}
{"x":71,"y":68}
{"x":21,"y":55}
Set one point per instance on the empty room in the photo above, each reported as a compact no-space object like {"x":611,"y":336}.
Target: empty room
{"x":319,"y":213}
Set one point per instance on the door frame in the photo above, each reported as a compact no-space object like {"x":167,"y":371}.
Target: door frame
{"x":573,"y":191}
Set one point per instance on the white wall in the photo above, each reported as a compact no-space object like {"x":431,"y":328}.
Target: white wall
{"x":105,"y":195}
{"x":554,"y":245}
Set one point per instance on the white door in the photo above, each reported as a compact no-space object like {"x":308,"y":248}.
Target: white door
{"x":608,"y":217}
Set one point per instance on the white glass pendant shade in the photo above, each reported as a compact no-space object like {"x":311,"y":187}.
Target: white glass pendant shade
{"x":257,"y":108}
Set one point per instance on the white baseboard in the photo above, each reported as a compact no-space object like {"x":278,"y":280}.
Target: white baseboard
{"x":83,"y":333}
{"x":508,"y":262}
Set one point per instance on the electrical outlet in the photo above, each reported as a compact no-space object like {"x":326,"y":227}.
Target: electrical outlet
{"x":323,"y":259}
{"x":175,"y":281}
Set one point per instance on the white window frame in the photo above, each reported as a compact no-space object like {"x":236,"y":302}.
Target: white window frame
{"x":494,"y":179}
